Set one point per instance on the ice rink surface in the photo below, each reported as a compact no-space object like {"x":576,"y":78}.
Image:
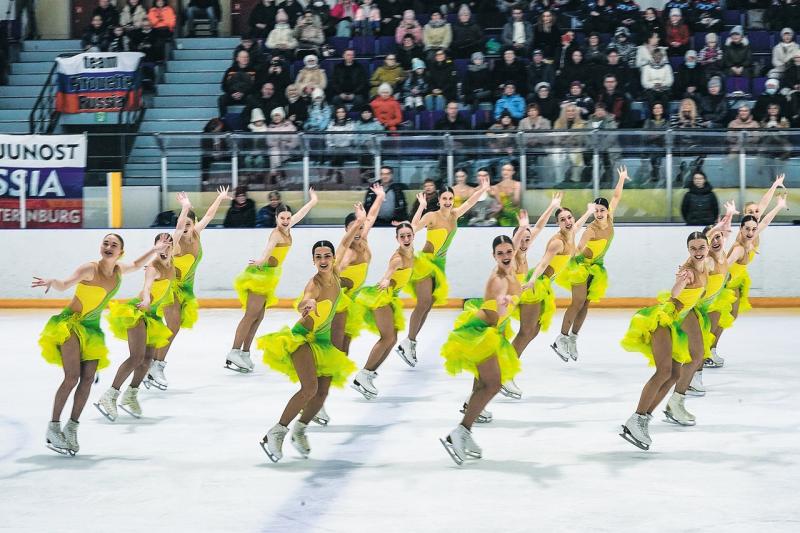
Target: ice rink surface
{"x":552,"y":461}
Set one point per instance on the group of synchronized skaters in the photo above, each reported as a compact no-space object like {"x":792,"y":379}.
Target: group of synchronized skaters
{"x":678,"y":336}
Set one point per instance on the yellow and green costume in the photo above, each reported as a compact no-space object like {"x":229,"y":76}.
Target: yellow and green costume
{"x":639,"y":336}
{"x":580,"y":268}
{"x":357,"y":274}
{"x":542,"y":290}
{"x":124,"y":316}
{"x":717,"y":299}
{"x":186,"y":265}
{"x":739,"y":278}
{"x":84,"y":325}
{"x":473,"y":341}
{"x":432,"y":265}
{"x":509,"y":213}
{"x":368,"y":299}
{"x":278,"y":347}
{"x":263,"y":279}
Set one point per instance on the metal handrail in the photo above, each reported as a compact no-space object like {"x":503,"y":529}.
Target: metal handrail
{"x":46,"y":98}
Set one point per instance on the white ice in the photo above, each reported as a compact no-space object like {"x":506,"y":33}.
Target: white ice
{"x":552,"y":461}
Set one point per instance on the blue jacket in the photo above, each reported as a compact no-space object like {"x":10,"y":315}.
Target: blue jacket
{"x":515,"y":104}
{"x":319,"y":116}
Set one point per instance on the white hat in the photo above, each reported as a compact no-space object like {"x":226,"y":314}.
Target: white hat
{"x":257,"y":115}
{"x":674,"y":12}
{"x":278,"y":111}
{"x":310,"y":58}
{"x":317,"y":93}
{"x":385,"y":88}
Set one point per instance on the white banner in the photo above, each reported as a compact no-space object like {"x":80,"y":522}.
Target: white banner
{"x":42,"y":151}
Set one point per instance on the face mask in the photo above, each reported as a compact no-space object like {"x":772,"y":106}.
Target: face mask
{"x":691,"y":64}
{"x":770,"y":90}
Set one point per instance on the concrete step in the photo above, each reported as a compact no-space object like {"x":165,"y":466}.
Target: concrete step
{"x":20,"y":90}
{"x":72,"y":45}
{"x":209,"y":43}
{"x":210,"y":65}
{"x":14,"y":126}
{"x":14,"y":114}
{"x":33,"y":68}
{"x":27,"y":79}
{"x":175,"y":183}
{"x":17,"y":102}
{"x":193,"y":77}
{"x":152,"y":126}
{"x":32,"y":57}
{"x":182,"y":101}
{"x":181,"y":144}
{"x":188,"y":89}
{"x":221,"y":53}
{"x":190,"y":113}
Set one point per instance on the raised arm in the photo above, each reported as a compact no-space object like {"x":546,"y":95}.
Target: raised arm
{"x":161,"y":246}
{"x":420,"y":221}
{"x":349,"y":235}
{"x":84,"y":272}
{"x":483,"y":187}
{"x":150,"y":275}
{"x":372,"y":216}
{"x":724,"y":223}
{"x":622,"y":171}
{"x":303,"y":211}
{"x":272,"y":242}
{"x":554,"y":247}
{"x":682,"y":279}
{"x":769,"y":217}
{"x":767,"y":198}
{"x":186,"y":205}
{"x":309,"y":301}
{"x":524,"y":224}
{"x":394,"y":264}
{"x":223,"y":194}
{"x":555,"y":203}
{"x":588,"y":234}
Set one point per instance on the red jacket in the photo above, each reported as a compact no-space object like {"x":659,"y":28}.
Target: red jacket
{"x":679,"y":33}
{"x":387,"y":111}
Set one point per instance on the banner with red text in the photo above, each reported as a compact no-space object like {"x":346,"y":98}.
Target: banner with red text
{"x":97,"y":81}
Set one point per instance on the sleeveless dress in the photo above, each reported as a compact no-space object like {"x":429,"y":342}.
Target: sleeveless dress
{"x":581,"y":267}
{"x":719,"y":299}
{"x":473,"y":341}
{"x":739,"y":278}
{"x":542,"y":290}
{"x":184,"y":288}
{"x":262,"y":280}
{"x":432,"y":264}
{"x":278,"y":347}
{"x":640,"y":333}
{"x":124,"y":316}
{"x":357,"y":274}
{"x":368,"y":299}
{"x":509,"y":213}
{"x":85,"y":325}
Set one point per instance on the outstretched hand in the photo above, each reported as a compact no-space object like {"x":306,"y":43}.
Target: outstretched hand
{"x":384,"y":284}
{"x":312,"y":194}
{"x":40,"y":282}
{"x":730,"y":208}
{"x":423,"y":201}
{"x":377,"y":189}
{"x":524,"y":220}
{"x":781,"y":203}
{"x":224,"y":193}
{"x":361,"y":214}
{"x":556,"y":201}
{"x":308,"y":306}
{"x":779,"y":180}
{"x":183,"y":199}
{"x":622,"y":172}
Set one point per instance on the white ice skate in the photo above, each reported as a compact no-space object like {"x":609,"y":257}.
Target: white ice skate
{"x":56,"y":440}
{"x":107,"y":404}
{"x":471,"y":448}
{"x":676,"y":412}
{"x":510,"y":390}
{"x":561,"y":347}
{"x":572,"y":346}
{"x":71,"y":436}
{"x":407,"y":350}
{"x":130,"y":402}
{"x":156,"y":375}
{"x":300,"y":439}
{"x":246,"y":359}
{"x":715,"y":361}
{"x":272,"y":443}
{"x":236,"y":362}
{"x":363,"y":383}
{"x":454,"y":444}
{"x":321,"y":417}
{"x":635,"y":431}
{"x":484,"y":418}
{"x":696,"y":387}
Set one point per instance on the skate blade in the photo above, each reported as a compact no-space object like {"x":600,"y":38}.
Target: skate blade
{"x":134,"y":415}
{"x":364,"y":392}
{"x":473,"y":455}
{"x":410,"y":362}
{"x":146,"y":383}
{"x":628,"y":437}
{"x":481,"y":418}
{"x":574,"y":357}
{"x":709,"y":363}
{"x":304,"y":454}
{"x":239,"y":369}
{"x":451,"y":452}
{"x":272,"y":458}
{"x":508,"y":394}
{"x":158,"y":386}
{"x":672,"y":420}
{"x":321,"y":421}
{"x":694,"y":392}
{"x":104,"y":412}
{"x":563,"y":357}
{"x":60,"y":451}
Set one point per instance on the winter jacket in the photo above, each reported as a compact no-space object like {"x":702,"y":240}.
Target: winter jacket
{"x":262,"y":14}
{"x":110,"y":16}
{"x":585,"y":104}
{"x":791,"y":76}
{"x":442,"y":76}
{"x":367,"y":127}
{"x":541,"y":123}
{"x":406,"y":55}
{"x":549,"y":42}
{"x":765,"y":100}
{"x":514,"y":104}
{"x":299,"y":110}
{"x":309,"y":34}
{"x":341,"y":11}
{"x":782,"y":55}
{"x":265,"y":218}
{"x":96,"y":38}
{"x":349,"y":79}
{"x":311,"y":77}
{"x":460,"y":123}
{"x":162,"y":18}
{"x":700,"y":206}
{"x":737,"y":55}
{"x":415,"y":81}
{"x":713,"y":110}
{"x":677,"y":33}
{"x":467,"y":38}
{"x":508,"y":34}
{"x":238,"y":80}
{"x":478,"y":84}
{"x":710,"y":59}
{"x":281,"y":37}
{"x":689,"y":77}
{"x":243,"y":216}
{"x":627,"y":51}
{"x":134,"y":18}
{"x":549,"y":107}
{"x":652,"y":74}
{"x":400,"y":206}
{"x":340,"y":140}
{"x":319,"y":117}
{"x":387,"y":111}
{"x":616,"y":104}
{"x":434,"y":37}
{"x":383,"y":74}
{"x":119,"y":43}
{"x":516,"y":72}
{"x":543,"y":72}
{"x":643,"y":55}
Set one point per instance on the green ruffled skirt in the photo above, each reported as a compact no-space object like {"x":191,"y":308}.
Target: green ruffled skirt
{"x":258,"y":280}
{"x":361,"y":315}
{"x":578,"y":271}
{"x":722,"y":304}
{"x":184,"y":294}
{"x":427,"y":265}
{"x":91,"y":339}
{"x":542,"y":294}
{"x":124,"y":316}
{"x":742,"y":283}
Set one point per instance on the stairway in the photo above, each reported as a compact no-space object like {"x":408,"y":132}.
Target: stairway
{"x":25,"y":82}
{"x":184,"y":102}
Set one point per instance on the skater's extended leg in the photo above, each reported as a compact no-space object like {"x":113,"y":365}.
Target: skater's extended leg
{"x":337,"y":330}
{"x":662,"y":353}
{"x":253,"y":310}
{"x":315,"y":404}
{"x":142,"y":369}
{"x":424,"y":291}
{"x":487,"y":387}
{"x":137,"y":340}
{"x":691,"y":326}
{"x":248,"y":340}
{"x":528,"y":326}
{"x":384,"y":319}
{"x":172,"y":316}
{"x":578,"y":300}
{"x":88,"y":370}
{"x":303,"y":360}
{"x":71,"y":361}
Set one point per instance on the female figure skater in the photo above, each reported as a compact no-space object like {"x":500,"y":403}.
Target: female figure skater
{"x":256,"y":285}
{"x":73,"y":339}
{"x":140,"y":322}
{"x":537,"y":303}
{"x":428,"y":280}
{"x":380,"y":310}
{"x":666,"y":334}
{"x":585,"y":275}
{"x":305,"y":353}
{"x":478,"y":345}
{"x":187,"y":253}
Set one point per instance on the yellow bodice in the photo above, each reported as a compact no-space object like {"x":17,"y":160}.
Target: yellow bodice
{"x":559,"y":261}
{"x":322,"y":313}
{"x":159,"y":289}
{"x":689,"y":297}
{"x":597,"y":247}
{"x":357,"y":274}
{"x":279,"y":253}
{"x":491,"y":305}
{"x":184,"y":264}
{"x":437,"y":237}
{"x":90,"y":297}
{"x":737,"y":270}
{"x":401,"y":277}
{"x":714,"y":283}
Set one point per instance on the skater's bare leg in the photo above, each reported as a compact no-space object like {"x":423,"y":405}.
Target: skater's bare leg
{"x":253,"y":330}
{"x":734,"y":312}
{"x":666,"y":387}
{"x":578,"y":300}
{"x":253,"y":310}
{"x":141,"y":370}
{"x":311,"y":409}
{"x":662,"y":353}
{"x":337,"y":330}
{"x":303,"y":360}
{"x":384,"y":319}
{"x":528,"y":326}
{"x":71,"y":361}
{"x":88,"y":369}
{"x":172,"y":316}
{"x":691,"y":325}
{"x":137,"y":340}
{"x":487,"y":387}
{"x":424,"y":290}
{"x":577,"y":324}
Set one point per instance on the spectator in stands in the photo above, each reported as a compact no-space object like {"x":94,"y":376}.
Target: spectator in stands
{"x":737,"y":57}
{"x":293,"y":8}
{"x":368,"y":19}
{"x":109,"y":15}
{"x":296,"y":106}
{"x":281,"y":38}
{"x":391,"y":15}
{"x":266,"y":100}
{"x":706,"y":16}
{"x":208,"y":9}
{"x":627,"y":12}
{"x":461,"y":192}
{"x":118,"y":41}
{"x":387,"y":108}
{"x":95,"y":38}
{"x":549,"y":105}
{"x":478,"y":86}
{"x":147,"y":41}
{"x":594,"y":55}
{"x":657,"y":79}
{"x":442,"y":82}
{"x":409,"y":50}
{"x":452,"y":120}
{"x":163,"y":20}
{"x":501,"y":136}
{"x":644,"y":52}
{"x":608,"y":146}
{"x":408,"y":26}
{"x":783,"y":52}
{"x":713,"y":106}
{"x":276,"y":73}
{"x":242,"y":212}
{"x":574,"y":70}
{"x":518,"y":33}
{"x":510,"y":68}
{"x":319,"y":112}
{"x":687,"y":116}
{"x":431,"y":196}
{"x":349,"y":82}
{"x":339,"y":143}
{"x":791,"y":87}
{"x":651,"y":23}
{"x":656,"y":121}
{"x":533,"y":119}
{"x":546,"y":36}
{"x":539,"y":71}
{"x":436,"y":35}
{"x":394,"y":207}
{"x":257,"y":58}
{"x":280,"y":147}
{"x":690,"y":78}
{"x":599,"y":16}
{"x":564,"y":52}
{"x":309,"y":35}
{"x":237,"y":82}
{"x":684,"y":6}
{"x":390,"y":73}
{"x":569,"y":119}
{"x":699,"y":206}
{"x":614,"y":100}
{"x":214,"y":147}
{"x":511,"y":102}
{"x":311,"y":77}
{"x":710,"y":56}
{"x":132,"y":15}
{"x":619,"y":70}
{"x":255,"y":145}
{"x":744,"y":120}
{"x":768,"y":97}
{"x":262,"y":20}
{"x":344,"y":13}
{"x":265,"y":218}
{"x":784,"y":13}
{"x":774,"y":147}
{"x":676,"y":34}
{"x":467,"y":35}
{"x":624,"y":47}
{"x":415,"y":87}
{"x":576,"y":96}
